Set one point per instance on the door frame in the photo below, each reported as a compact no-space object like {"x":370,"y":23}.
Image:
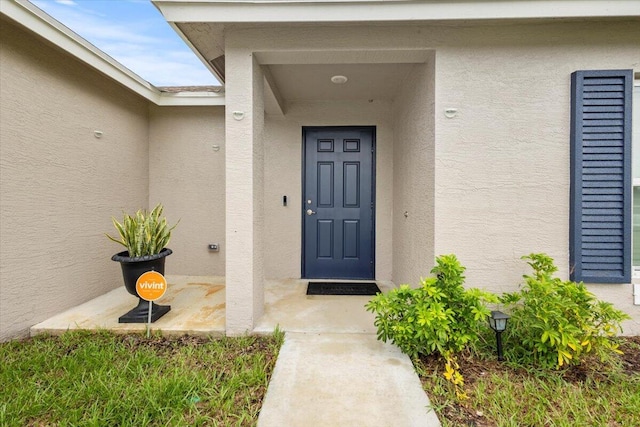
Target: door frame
{"x":373,"y":190}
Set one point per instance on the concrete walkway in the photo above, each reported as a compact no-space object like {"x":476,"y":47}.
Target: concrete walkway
{"x":327,"y":379}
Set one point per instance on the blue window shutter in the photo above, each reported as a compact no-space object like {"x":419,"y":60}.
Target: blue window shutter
{"x":600,"y":228}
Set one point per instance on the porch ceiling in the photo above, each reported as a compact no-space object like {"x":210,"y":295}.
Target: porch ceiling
{"x":293,"y":76}
{"x":312,"y":82}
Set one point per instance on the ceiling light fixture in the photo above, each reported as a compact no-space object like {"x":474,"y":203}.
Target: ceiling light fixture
{"x":339,"y":80}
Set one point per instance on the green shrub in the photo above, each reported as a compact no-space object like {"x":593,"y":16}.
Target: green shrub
{"x":440,"y":317}
{"x":554,"y":322}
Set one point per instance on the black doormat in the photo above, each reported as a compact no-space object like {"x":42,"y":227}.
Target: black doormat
{"x":337,"y":288}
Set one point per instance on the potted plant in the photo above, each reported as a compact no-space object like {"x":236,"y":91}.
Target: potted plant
{"x":145,"y":235}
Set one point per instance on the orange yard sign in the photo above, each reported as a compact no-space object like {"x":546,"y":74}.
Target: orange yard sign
{"x":151,"y":286}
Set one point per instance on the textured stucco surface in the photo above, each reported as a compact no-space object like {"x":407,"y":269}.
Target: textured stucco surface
{"x":502,"y":168}
{"x":187,"y":176}
{"x":501,"y":172}
{"x":489,"y":184}
{"x":59,"y":185}
{"x":413,"y":178}
{"x":244,"y":162}
{"x":283,"y":176}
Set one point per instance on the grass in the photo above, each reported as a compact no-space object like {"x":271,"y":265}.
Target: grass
{"x":505,"y":394}
{"x":104,"y":379}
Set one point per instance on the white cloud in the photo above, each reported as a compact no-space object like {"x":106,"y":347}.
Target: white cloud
{"x":92,"y":29}
{"x":67,"y":2}
{"x":168,"y":67}
{"x":96,"y":27}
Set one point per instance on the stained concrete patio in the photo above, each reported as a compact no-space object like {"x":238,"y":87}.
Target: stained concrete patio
{"x":198,"y":307}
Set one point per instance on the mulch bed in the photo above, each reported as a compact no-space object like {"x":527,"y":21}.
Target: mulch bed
{"x":473,"y":369}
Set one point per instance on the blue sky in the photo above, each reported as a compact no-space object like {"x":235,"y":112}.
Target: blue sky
{"x":135,"y":34}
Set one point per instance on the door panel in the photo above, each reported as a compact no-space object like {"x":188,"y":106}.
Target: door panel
{"x":338,"y":211}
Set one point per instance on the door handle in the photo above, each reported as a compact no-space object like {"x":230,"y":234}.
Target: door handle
{"x":310,"y":212}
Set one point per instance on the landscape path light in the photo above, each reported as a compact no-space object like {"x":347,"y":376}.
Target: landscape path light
{"x":498,"y":322}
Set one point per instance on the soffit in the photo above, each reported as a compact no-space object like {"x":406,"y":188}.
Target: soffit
{"x":207,"y":39}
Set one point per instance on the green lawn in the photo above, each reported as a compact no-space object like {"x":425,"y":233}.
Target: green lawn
{"x":104,"y":379}
{"x":503,"y":394}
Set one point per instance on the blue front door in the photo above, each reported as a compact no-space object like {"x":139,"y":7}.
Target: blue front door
{"x":337,"y":202}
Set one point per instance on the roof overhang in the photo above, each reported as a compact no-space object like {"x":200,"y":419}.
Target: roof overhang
{"x":31,"y":17}
{"x":202,"y":23}
{"x":336,"y":11}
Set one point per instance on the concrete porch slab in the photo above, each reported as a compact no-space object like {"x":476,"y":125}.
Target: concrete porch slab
{"x":288,"y":306}
{"x":197,"y":307}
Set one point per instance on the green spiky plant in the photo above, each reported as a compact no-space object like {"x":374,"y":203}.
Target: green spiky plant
{"x":145,"y":233}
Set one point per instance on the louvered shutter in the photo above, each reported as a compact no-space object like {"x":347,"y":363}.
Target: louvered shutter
{"x":600,"y":229}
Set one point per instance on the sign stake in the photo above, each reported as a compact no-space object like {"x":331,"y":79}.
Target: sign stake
{"x":149,"y":321}
{"x":151,"y":286}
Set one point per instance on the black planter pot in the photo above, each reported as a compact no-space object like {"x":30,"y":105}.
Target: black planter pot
{"x":132,"y":269}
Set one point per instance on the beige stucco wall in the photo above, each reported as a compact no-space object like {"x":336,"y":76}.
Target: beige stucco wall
{"x":502,"y":174}
{"x":501,"y":178}
{"x":283,"y":176}
{"x":489,"y":184}
{"x":413,"y":175}
{"x":59,"y":185}
{"x":502,"y":171}
{"x":187,"y":175}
